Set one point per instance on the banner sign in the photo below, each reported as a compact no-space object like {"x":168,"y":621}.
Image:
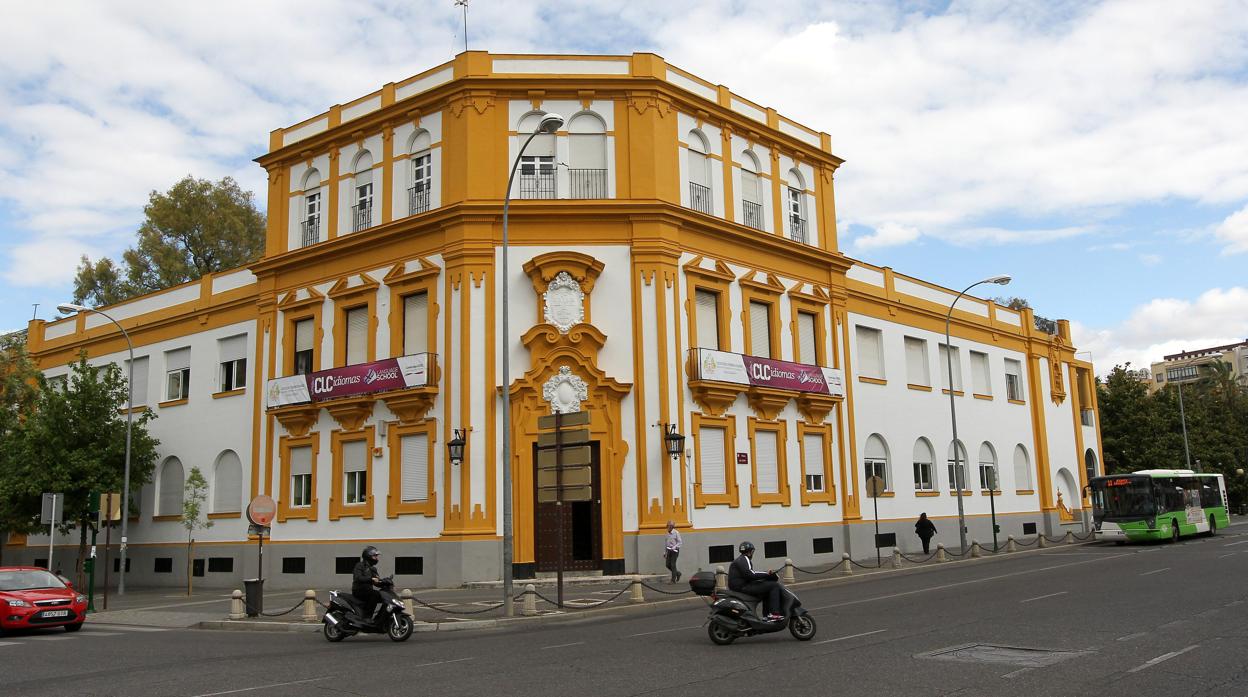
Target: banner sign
{"x":765,"y":372}
{"x":348,"y":381}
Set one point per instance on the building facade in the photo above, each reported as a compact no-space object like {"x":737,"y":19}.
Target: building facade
{"x":1186,"y":366}
{"x":673,"y":264}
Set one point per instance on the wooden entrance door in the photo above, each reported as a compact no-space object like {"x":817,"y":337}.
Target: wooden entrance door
{"x":581,"y":522}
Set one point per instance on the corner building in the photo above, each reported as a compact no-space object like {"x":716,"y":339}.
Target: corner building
{"x":673,"y":262}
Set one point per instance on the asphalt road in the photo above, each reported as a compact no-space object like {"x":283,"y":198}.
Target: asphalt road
{"x":1085,"y":620}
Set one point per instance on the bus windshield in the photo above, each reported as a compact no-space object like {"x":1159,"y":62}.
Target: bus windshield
{"x":1122,"y":497}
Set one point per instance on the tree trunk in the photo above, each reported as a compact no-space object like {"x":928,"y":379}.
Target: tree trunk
{"x":190,"y":562}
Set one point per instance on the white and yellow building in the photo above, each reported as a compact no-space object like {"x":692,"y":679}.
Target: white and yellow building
{"x":673,"y":260}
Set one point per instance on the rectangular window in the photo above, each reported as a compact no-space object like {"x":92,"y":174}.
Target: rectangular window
{"x":1013,"y":380}
{"x":301,"y":476}
{"x":961,"y":479}
{"x":981,"y":381}
{"x":797,"y":215}
{"x":294,"y":565}
{"x":720,"y":554}
{"x":163,"y":565}
{"x":233,"y":356}
{"x":303,"y":347}
{"x":355,"y":472}
{"x":345,"y":565}
{"x":807,"y":350}
{"x":917,"y":370}
{"x":422,"y":181}
{"x":945,"y":358}
{"x":767,"y":461}
{"x":812,"y":449}
{"x":178,"y":374}
{"x":138,"y":389}
{"x":923,"y":480}
{"x":409,"y":566}
{"x":760,"y":329}
{"x":711,"y":445}
{"x":706,"y":307}
{"x":775,"y":549}
{"x":870,"y":352}
{"x":362,"y":212}
{"x":415,"y":467}
{"x":357,"y":335}
{"x":220,"y":565}
{"x":311,"y":232}
{"x":823,"y":545}
{"x":537,"y":176}
{"x":877,"y":468}
{"x":987,"y":476}
{"x":415,"y":323}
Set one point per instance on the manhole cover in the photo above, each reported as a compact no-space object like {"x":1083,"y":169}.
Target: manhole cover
{"x":1003,"y":655}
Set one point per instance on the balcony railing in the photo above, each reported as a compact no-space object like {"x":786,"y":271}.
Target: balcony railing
{"x":588,"y":183}
{"x":797,"y":229}
{"x":753,"y":214}
{"x":361,"y":216}
{"x":311,"y":231}
{"x":538,"y":185}
{"x":417,"y":200}
{"x":700,"y":198}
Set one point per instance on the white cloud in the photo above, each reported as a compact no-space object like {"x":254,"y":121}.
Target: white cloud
{"x":1150,"y":259}
{"x":1234,"y":232}
{"x":887,"y":235}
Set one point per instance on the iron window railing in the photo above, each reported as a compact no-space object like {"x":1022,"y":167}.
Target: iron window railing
{"x":417,"y":200}
{"x":700,"y":198}
{"x":538,"y":185}
{"x":797,"y":229}
{"x":588,"y":183}
{"x":311,"y":229}
{"x":753,"y":214}
{"x":361,"y":216}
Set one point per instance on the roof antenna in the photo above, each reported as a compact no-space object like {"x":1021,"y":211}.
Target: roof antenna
{"x":464,"y":4}
{"x":35,"y":314}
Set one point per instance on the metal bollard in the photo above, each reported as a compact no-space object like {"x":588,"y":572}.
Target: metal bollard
{"x":636,"y":596}
{"x":1041,"y":542}
{"x":1009,"y":544}
{"x":408,"y":603}
{"x":530,"y":601}
{"x":237,"y":611}
{"x":787,"y":574}
{"x":309,"y":606}
{"x":1070,"y":537}
{"x":975,"y":549}
{"x":846,"y":568}
{"x":940,"y":552}
{"x":721,"y":579}
{"x":896,"y":558}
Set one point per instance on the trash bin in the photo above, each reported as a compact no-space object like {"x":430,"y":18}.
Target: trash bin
{"x":254,"y":596}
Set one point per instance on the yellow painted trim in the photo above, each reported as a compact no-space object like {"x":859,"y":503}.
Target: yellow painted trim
{"x":985,"y":492}
{"x":401,"y":285}
{"x":173,"y":403}
{"x":798,"y":305}
{"x":229,"y":393}
{"x":923,"y":494}
{"x":285,"y":511}
{"x":886,"y":494}
{"x":696,"y":279}
{"x":1025,"y":492}
{"x":166,"y":518}
{"x":982,"y":396}
{"x":1039,"y":433}
{"x":781,"y":429}
{"x":395,"y":506}
{"x":731,"y":496}
{"x":223,"y":516}
{"x":872,"y":381}
{"x":306,"y":311}
{"x":337,"y":508}
{"x":1016,"y":401}
{"x":753,"y":293}
{"x":956,"y":393}
{"x":849,"y":464}
{"x":348,"y":299}
{"x":921,"y":388}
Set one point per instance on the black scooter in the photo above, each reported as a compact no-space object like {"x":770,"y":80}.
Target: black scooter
{"x":347,"y":616}
{"x":734,"y":615}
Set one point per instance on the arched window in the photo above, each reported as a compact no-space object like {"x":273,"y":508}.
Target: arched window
{"x":537,"y":166}
{"x":988,"y":467}
{"x":961,"y":464}
{"x":227,"y":483}
{"x":699,"y":172}
{"x":421,"y":172}
{"x":1022,"y":468}
{"x":310,"y":232}
{"x":170,"y":488}
{"x":795,"y":203}
{"x":875,"y":460}
{"x":1089,"y":463}
{"x":587,"y":155}
{"x":751,"y":191}
{"x":924,"y":469}
{"x":362,"y":209}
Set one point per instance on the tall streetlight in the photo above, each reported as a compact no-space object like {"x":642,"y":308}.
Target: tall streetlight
{"x":67,"y":309}
{"x":549,"y":124}
{"x":1179,"y":375}
{"x":958,"y":478}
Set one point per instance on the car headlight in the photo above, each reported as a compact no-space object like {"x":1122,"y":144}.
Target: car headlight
{"x":18,"y":603}
{"x":80,"y":599}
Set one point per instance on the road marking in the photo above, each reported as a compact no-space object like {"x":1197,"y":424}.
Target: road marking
{"x":100,"y":634}
{"x":1224,"y":556}
{"x":438,"y":663}
{"x":49,"y":638}
{"x":1176,"y":623}
{"x":563,"y":646}
{"x":9,"y":643}
{"x":1163,"y":657}
{"x":851,"y":636}
{"x":1129,"y":637}
{"x":1232,"y":544}
{"x":1042,"y":597}
{"x":1020,"y":671}
{"x":126,"y":627}
{"x":1154,"y":571}
{"x":661,"y":631}
{"x":262,"y":687}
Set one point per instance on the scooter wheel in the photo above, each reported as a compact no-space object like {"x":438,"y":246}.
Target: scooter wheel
{"x":720,"y":634}
{"x":802,"y":627}
{"x":401,"y":627}
{"x":333,"y":632}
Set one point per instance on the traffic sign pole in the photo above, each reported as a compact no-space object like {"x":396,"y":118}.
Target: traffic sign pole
{"x":559,"y":498}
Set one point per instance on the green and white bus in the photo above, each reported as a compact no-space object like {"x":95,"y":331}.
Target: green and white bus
{"x":1158,"y":504}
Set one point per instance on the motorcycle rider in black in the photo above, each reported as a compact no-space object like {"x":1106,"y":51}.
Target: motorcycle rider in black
{"x":761,"y":584}
{"x":363,"y":579}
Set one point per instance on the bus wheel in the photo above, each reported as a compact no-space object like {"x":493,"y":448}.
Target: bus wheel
{"x":1174,"y":531}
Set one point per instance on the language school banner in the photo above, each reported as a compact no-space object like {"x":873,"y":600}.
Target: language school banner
{"x":765,"y":372}
{"x":348,"y":381}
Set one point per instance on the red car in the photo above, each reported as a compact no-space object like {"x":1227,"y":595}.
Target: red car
{"x":31,"y":597}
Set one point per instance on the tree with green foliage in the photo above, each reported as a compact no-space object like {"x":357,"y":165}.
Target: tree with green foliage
{"x":1012,"y":302}
{"x":18,"y":394}
{"x":194,"y":495}
{"x":195,"y":228}
{"x":1132,"y":431}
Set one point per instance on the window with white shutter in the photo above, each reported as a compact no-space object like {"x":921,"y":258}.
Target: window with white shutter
{"x":233,"y":358}
{"x":177,"y":374}
{"x":415,"y":467}
{"x":1013,"y":380}
{"x":357,"y":335}
{"x":415,"y":323}
{"x":812,"y":450}
{"x":711,"y":459}
{"x":304,"y":351}
{"x":806,"y":346}
{"x":355,"y":472}
{"x":171,"y":485}
{"x":227,"y":483}
{"x":706,"y":307}
{"x":301,"y":476}
{"x":981,"y":381}
{"x":760,"y":329}
{"x":767,"y":461}
{"x":946,"y":358}
{"x":870,"y":352}
{"x":917,"y":371}
{"x":138,"y":389}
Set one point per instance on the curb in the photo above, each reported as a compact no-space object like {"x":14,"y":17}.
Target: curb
{"x":245,"y":626}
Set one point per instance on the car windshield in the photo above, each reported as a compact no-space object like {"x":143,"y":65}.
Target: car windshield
{"x":28,"y":580}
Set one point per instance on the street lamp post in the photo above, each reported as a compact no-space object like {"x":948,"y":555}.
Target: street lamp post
{"x":1179,"y":375}
{"x":958,"y":477}
{"x":69,"y":308}
{"x":549,"y":124}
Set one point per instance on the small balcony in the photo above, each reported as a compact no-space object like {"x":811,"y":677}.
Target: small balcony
{"x":539,"y":184}
{"x":310,"y":230}
{"x":797,"y":229}
{"x":418,"y":199}
{"x":588,"y":183}
{"x":362,"y":216}
{"x":700,"y":198}
{"x":752,"y":214}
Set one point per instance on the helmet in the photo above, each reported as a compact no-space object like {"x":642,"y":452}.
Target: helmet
{"x":746,"y":547}
{"x":371,"y":554}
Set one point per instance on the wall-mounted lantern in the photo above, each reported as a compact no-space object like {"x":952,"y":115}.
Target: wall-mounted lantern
{"x":673,"y":442}
{"x":455,"y":447}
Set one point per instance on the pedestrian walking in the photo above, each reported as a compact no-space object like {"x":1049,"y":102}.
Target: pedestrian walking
{"x":671,"y":550}
{"x":925,"y":530}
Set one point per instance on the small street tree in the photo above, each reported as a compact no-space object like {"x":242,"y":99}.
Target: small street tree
{"x":194,"y":494}
{"x":18,"y":394}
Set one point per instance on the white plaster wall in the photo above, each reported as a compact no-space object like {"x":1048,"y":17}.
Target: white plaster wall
{"x":560,"y":67}
{"x":366,"y":106}
{"x":477,"y":393}
{"x":863,"y":274}
{"x":148,"y":303}
{"x":232,"y":280}
{"x":427,"y":82}
{"x":56,"y":330}
{"x":307,"y":130}
{"x":692,"y":85}
{"x":1060,"y":425}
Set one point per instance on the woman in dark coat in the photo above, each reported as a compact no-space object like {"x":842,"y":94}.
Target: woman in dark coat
{"x":925,"y":530}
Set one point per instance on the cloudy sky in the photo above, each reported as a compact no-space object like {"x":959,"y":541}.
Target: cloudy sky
{"x":1098,"y":152}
